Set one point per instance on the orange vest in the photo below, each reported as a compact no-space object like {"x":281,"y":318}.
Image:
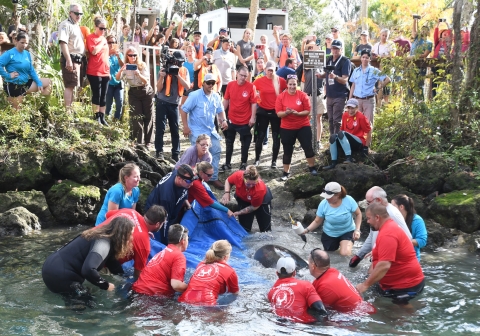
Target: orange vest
{"x":215,"y":45}
{"x":284,"y":55}
{"x":168,"y":81}
{"x":203,"y":71}
{"x":199,"y":53}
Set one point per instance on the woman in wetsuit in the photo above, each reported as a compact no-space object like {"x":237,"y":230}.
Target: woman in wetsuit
{"x":65,"y":270}
{"x":212,"y":277}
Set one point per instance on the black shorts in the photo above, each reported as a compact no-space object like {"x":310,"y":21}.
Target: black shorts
{"x":403,"y":296}
{"x":17,"y":90}
{"x":333,"y":243}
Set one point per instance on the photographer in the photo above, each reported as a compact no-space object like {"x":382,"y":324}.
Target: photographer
{"x":200,"y":49}
{"x":204,"y":66}
{"x":337,"y":72}
{"x":224,"y":59}
{"x":421,"y":48}
{"x":216,"y":43}
{"x":173,"y":79}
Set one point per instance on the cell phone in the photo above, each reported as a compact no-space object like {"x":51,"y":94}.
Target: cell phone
{"x":157,"y":19}
{"x":146,"y":21}
{"x":131,"y":67}
{"x":259,"y":46}
{"x":318,"y":42}
{"x":416,"y":17}
{"x":442,"y":20}
{"x":189,"y":15}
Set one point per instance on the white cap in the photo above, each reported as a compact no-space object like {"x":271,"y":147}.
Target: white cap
{"x":270,"y":65}
{"x":209,"y":77}
{"x":331,"y":189}
{"x":287,"y":264}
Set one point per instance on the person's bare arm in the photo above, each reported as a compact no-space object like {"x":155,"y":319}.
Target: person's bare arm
{"x":65,"y":52}
{"x":178,"y":286}
{"x":352,"y":90}
{"x":342,"y":80}
{"x":252,"y":56}
{"x":314,"y":224}
{"x":161,"y":80}
{"x":185,"y":82}
{"x":226,"y":103}
{"x":378,"y":273}
{"x":180,"y":26}
{"x":239,"y":55}
{"x":198,"y":63}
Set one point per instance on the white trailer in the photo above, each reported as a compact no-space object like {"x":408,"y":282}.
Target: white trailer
{"x":236,"y":19}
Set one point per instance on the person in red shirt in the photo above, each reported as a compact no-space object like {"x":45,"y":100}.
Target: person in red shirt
{"x":98,"y":68}
{"x":212,"y":277}
{"x":292,"y":297}
{"x":269,"y":87}
{"x":165,"y":272}
{"x":152,"y":221}
{"x":198,"y":189}
{"x":352,"y":135}
{"x":335,"y":290}
{"x":293,"y":107}
{"x":254,"y":198}
{"x":395,"y":264}
{"x":241,"y":101}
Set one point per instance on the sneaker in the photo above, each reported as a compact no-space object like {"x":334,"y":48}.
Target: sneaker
{"x":319,"y":145}
{"x":257,"y":163}
{"x":348,"y":159}
{"x":243,"y":166}
{"x":225,"y":167}
{"x":313,"y":171}
{"x":285,"y":176}
{"x":331,"y":166}
{"x":265,"y":145}
{"x":274,"y":165}
{"x":160,"y":156}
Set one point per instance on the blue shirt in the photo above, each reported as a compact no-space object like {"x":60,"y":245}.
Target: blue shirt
{"x":419,"y":232}
{"x":342,"y":68}
{"x":21,"y":62}
{"x":114,"y":68}
{"x":172,"y":198}
{"x":117,"y":195}
{"x":189,"y":67}
{"x":365,"y":81}
{"x":285,"y":71}
{"x":419,"y":46}
{"x":338,"y":221}
{"x":201,"y":110}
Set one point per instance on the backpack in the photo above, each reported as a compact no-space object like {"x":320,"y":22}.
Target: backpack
{"x":340,"y":64}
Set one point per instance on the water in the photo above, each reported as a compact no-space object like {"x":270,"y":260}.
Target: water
{"x":447,"y":306}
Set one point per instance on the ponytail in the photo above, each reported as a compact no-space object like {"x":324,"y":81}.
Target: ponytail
{"x":218,"y":251}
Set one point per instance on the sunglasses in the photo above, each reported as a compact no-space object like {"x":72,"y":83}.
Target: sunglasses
{"x":111,"y":42}
{"x":311,"y":255}
{"x":210,"y":83}
{"x":292,"y":76}
{"x":132,"y":55}
{"x":209,"y":175}
{"x":328,"y":192}
{"x":102,"y":28}
{"x":187,"y":180}
{"x":250,"y":183}
{"x":77,"y":13}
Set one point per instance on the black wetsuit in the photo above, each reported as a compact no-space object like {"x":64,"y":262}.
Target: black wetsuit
{"x":78,"y":260}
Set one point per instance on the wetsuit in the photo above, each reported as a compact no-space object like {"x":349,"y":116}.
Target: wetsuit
{"x":77,"y":261}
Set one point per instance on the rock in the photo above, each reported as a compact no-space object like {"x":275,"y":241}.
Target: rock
{"x":458,"y":209}
{"x":18,"y":222}
{"x":282,"y":199}
{"x":473,"y":243}
{"x":34,"y":201}
{"x":146,"y":187}
{"x":383,"y":160}
{"x":395,"y":189}
{"x":160,"y":167}
{"x":460,"y":181}
{"x":422,"y":177}
{"x":84,"y":167}
{"x":437,"y":234}
{"x":25,"y":171}
{"x":313,"y":202}
{"x":309,"y":217}
{"x":151,"y":176}
{"x":356,"y":178}
{"x":72,"y":203}
{"x":304,"y":185}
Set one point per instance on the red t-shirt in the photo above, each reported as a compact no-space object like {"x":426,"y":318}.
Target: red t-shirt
{"x":209,"y":281}
{"x":336,"y":291}
{"x":98,"y":65}
{"x":198,"y":192}
{"x":298,"y":102}
{"x":241,"y":99}
{"x":165,"y":265}
{"x":291,"y":298}
{"x":254,"y":195}
{"x":357,"y":125}
{"x":393,"y":245}
{"x":141,"y":239}
{"x":268,"y":96}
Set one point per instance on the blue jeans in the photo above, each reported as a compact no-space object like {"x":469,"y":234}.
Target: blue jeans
{"x":117,"y":93}
{"x":347,"y":142}
{"x":166,"y":111}
{"x":215,"y":150}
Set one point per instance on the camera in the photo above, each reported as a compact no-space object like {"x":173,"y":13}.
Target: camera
{"x":329,"y":68}
{"x":172,"y":61}
{"x":189,"y":15}
{"x":416,"y":17}
{"x":442,"y":20}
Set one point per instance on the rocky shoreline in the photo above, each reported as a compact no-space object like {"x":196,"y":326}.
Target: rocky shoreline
{"x":67,"y":187}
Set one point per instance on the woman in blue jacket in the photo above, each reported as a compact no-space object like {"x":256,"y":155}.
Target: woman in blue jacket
{"x":19,"y":76}
{"x":415,"y":223}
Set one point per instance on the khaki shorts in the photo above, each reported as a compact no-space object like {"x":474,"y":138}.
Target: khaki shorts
{"x":71,"y":79}
{"x":321,"y":108}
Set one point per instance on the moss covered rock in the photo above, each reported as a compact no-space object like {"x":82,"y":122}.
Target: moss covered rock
{"x":86,"y":166}
{"x":313,"y":202}
{"x":18,"y":222}
{"x":72,"y":203}
{"x":146,"y":188}
{"x":304,"y":185}
{"x":395,"y":189}
{"x":422,"y":177}
{"x":437,"y":234}
{"x":458,"y":210}
{"x":461,"y":180}
{"x":25,"y":171}
{"x":34,"y":201}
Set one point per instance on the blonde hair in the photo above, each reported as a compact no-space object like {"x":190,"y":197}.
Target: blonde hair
{"x":203,"y":137}
{"x":141,"y":65}
{"x":204,"y":166}
{"x":126,"y":171}
{"x":251,"y":32}
{"x":218,"y":251}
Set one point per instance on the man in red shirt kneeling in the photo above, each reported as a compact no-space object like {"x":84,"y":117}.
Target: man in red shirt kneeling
{"x":292,"y":297}
{"x":165,"y":273}
{"x":395,"y":264}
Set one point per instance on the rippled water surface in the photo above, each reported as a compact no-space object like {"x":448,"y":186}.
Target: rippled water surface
{"x":448,"y":305}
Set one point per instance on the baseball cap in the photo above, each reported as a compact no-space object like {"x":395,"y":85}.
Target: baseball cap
{"x":364,"y":32}
{"x":352,"y":102}
{"x":367,"y":52}
{"x":336,"y":27}
{"x":285,"y":265}
{"x":329,"y":36}
{"x":185,"y":30}
{"x":197,"y":33}
{"x":209,"y":51}
{"x":337,"y":44}
{"x":224,"y":29}
{"x":209,"y":77}
{"x":331,"y":188}
{"x":270,"y":65}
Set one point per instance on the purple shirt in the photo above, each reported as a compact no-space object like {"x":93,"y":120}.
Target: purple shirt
{"x":191,"y":158}
{"x":403,"y":46}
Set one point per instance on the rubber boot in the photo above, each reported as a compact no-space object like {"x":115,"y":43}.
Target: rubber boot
{"x":102,"y":118}
{"x":97,"y":118}
{"x":331,"y":166}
